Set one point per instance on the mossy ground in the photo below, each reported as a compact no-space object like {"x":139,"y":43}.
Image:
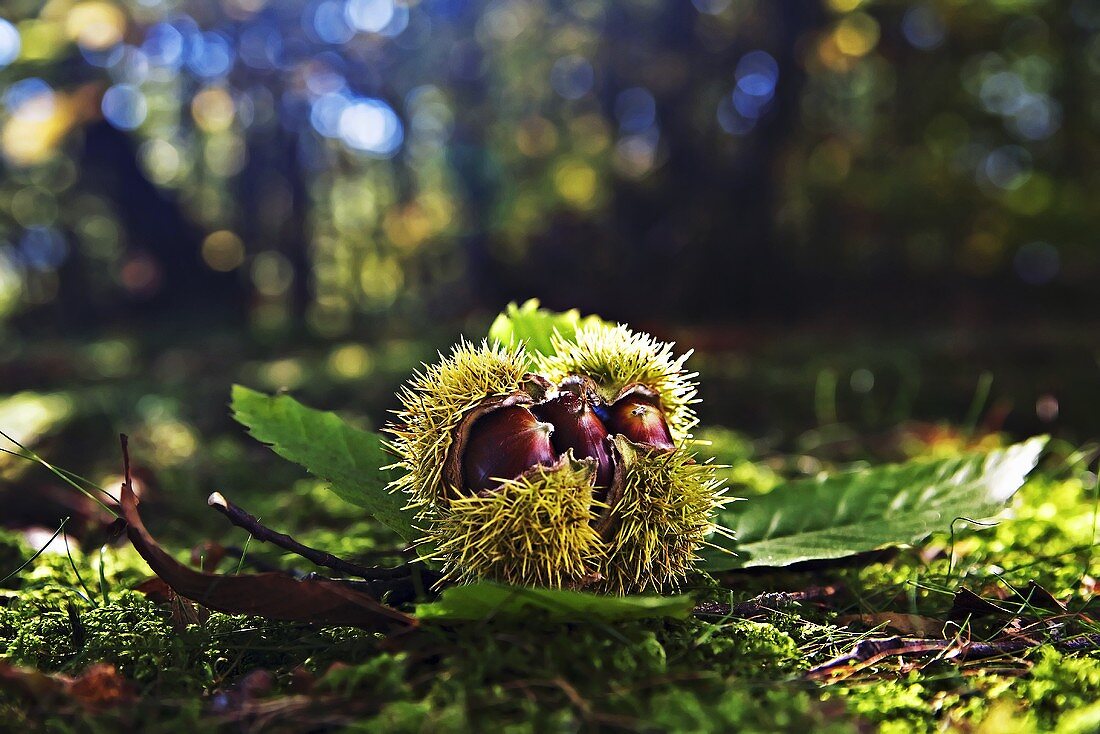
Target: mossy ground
{"x":712,"y":673}
{"x":695,"y":675}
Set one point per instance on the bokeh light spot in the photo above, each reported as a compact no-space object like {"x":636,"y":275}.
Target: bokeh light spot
{"x":862,"y":381}
{"x":160,"y":160}
{"x":370,"y":16}
{"x":211,"y":56}
{"x":163,"y":45}
{"x":1036,"y":117}
{"x":857,"y":34}
{"x":43,"y":248}
{"x":330,"y":22}
{"x":213,"y":109}
{"x":731,"y":120}
{"x":576,"y":182}
{"x":572,"y":76}
{"x":636,"y":154}
{"x":350,"y":361}
{"x":41,"y":40}
{"x":324,"y":114}
{"x":1007,"y":167}
{"x":635,"y":109}
{"x":95,"y":26}
{"x":923,"y":27}
{"x":1002,"y":93}
{"x":223,"y":251}
{"x":124,"y":106}
{"x":371,"y":126}
{"x":25,"y":90}
{"x":33,"y":205}
{"x":10,"y":43}
{"x":272,"y":273}
{"x":140,"y":275}
{"x":536,"y":136}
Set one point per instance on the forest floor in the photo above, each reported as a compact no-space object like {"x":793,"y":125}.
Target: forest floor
{"x":85,"y":646}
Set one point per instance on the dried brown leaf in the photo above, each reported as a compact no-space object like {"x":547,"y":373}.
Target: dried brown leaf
{"x":98,"y":688}
{"x":969,"y":604}
{"x":913,"y":625}
{"x":101,"y":687}
{"x":272,"y":595}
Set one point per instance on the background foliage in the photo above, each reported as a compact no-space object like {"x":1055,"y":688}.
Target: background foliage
{"x":326,"y":162}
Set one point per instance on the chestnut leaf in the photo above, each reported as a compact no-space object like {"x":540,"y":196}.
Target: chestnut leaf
{"x":533,"y":326}
{"x":854,"y":512}
{"x":486,"y":600}
{"x":351,"y":460}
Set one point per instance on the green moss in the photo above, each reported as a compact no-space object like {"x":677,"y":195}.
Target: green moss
{"x":936,"y":698}
{"x":682,"y":676}
{"x":742,"y":709}
{"x":130,"y":632}
{"x":1059,"y":683}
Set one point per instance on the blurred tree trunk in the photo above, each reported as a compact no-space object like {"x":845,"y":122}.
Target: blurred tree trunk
{"x":155,"y":226}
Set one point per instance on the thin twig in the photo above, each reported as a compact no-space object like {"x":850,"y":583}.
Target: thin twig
{"x":765,"y":604}
{"x":261,"y":532}
{"x":870,"y":652}
{"x":259,"y":564}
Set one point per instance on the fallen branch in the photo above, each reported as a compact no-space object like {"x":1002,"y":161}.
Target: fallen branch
{"x":261,"y":532}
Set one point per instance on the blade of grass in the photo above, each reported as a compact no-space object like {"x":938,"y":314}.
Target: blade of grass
{"x":32,"y":456}
{"x":977,"y":405}
{"x":39,"y":552}
{"x":72,"y":563}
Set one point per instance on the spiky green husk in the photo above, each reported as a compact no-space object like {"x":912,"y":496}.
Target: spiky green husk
{"x":615,"y":356}
{"x":661,"y":520}
{"x":535,"y":530}
{"x":433,"y":402}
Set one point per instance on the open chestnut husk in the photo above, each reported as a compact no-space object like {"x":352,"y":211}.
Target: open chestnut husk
{"x":566,"y":468}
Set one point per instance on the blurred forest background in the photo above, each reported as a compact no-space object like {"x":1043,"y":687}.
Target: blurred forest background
{"x":862,"y":212}
{"x":338,"y":163}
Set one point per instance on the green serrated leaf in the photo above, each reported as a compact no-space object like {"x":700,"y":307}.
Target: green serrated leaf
{"x":845,"y":514}
{"x":528,"y":324}
{"x":484,"y":600}
{"x":348,"y":458}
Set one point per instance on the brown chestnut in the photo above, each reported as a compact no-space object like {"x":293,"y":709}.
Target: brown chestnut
{"x":503,"y":444}
{"x":577,"y":427}
{"x":641,"y":421}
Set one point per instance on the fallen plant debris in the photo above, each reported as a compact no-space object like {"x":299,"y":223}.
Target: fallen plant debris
{"x":763,"y":605}
{"x":273,"y":595}
{"x":1015,"y":602}
{"x":99,"y":687}
{"x":868,"y":653}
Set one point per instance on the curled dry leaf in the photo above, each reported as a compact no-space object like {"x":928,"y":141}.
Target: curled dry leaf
{"x":273,"y":595}
{"x":1016,"y":602}
{"x":184,"y":611}
{"x":98,"y":688}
